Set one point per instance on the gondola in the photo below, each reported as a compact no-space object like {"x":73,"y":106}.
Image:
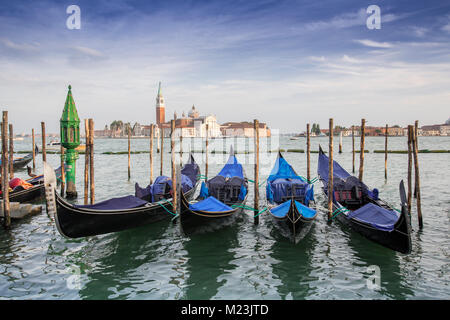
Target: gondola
{"x":360,"y":208}
{"x":116,"y":214}
{"x":288,"y":198}
{"x":34,"y":192}
{"x":221,"y":200}
{"x":19,"y":163}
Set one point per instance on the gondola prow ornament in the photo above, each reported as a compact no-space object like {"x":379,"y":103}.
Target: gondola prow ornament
{"x":70,"y":139}
{"x":50,"y":186}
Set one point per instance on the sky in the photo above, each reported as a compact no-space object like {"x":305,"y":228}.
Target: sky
{"x":284,"y":62}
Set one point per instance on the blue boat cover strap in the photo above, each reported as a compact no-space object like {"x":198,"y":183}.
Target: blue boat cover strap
{"x":127,"y":202}
{"x":210,"y":204}
{"x":282,"y":210}
{"x":376,"y":216}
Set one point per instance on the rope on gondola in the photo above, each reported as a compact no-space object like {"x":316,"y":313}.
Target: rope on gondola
{"x":312,"y":181}
{"x":250,"y":209}
{"x":339,"y":211}
{"x":165,"y":200}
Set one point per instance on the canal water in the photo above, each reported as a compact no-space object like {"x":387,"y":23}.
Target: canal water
{"x":244,"y":261}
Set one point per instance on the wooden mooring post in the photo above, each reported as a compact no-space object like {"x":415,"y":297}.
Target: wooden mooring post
{"x":152,"y":129}
{"x":5,"y":168}
{"x":361,"y":154}
{"x":256,"y":204}
{"x":129,"y":153}
{"x":417,"y":178}
{"x":44,"y":154}
{"x":330,"y":171}
{"x":174,"y":174}
{"x":161,"y":148}
{"x":91,"y":160}
{"x":86,"y":161}
{"x":11,"y":152}
{"x":63,"y":173}
{"x":206,"y":152}
{"x":340,"y":141}
{"x":181,"y":146}
{"x":416,"y":146}
{"x":353,"y":148}
{"x":308,"y":153}
{"x":32,"y":147}
{"x":409,"y":166}
{"x":386,"y":151}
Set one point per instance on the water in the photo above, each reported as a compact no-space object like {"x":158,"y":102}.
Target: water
{"x":242,"y":261}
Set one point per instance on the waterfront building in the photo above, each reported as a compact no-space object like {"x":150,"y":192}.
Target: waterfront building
{"x":244,"y":129}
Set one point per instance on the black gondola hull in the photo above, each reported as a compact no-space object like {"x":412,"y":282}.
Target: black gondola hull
{"x":34,"y":193}
{"x":293,"y":226}
{"x":75,"y":222}
{"x":398,"y":239}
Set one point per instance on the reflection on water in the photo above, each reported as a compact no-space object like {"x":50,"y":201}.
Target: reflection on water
{"x":241,"y":261}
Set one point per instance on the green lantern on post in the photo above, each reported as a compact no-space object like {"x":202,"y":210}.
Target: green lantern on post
{"x":70,"y":139}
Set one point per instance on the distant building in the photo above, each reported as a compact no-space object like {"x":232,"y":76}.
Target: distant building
{"x":244,"y":129}
{"x":160,"y":108}
{"x":436,"y":130}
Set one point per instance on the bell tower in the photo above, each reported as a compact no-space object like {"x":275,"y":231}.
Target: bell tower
{"x":160,"y":108}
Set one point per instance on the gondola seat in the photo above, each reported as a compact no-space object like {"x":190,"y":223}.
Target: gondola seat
{"x":226,"y":190}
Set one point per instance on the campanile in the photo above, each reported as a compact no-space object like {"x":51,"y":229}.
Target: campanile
{"x":160,"y":108}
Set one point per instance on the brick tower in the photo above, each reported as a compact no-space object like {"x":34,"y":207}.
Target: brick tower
{"x":160,"y":108}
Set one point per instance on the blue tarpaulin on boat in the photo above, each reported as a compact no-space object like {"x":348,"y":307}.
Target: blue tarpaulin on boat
{"x":342,"y":179}
{"x":210,"y":204}
{"x":191,"y":170}
{"x":378,"y":217}
{"x":282,"y":210}
{"x":204,"y":192}
{"x":279,"y":188}
{"x":282,"y":169}
{"x":232,"y":168}
{"x":322,"y":169}
{"x":280,"y":182}
{"x":159,"y":186}
{"x":121,"y":203}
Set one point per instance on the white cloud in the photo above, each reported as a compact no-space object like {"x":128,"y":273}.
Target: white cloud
{"x":19,"y":46}
{"x":374,"y":44}
{"x":89,"y":51}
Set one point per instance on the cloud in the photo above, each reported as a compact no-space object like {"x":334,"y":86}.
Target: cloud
{"x":25,"y":47}
{"x":374,"y":44}
{"x":446,"y":27}
{"x":420,"y":31}
{"x":338,"y":22}
{"x":84,"y":57}
{"x":346,"y":58}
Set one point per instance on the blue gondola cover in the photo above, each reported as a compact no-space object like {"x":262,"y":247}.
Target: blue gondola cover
{"x":232,"y":168}
{"x":282,"y":210}
{"x":280,"y":181}
{"x":376,"y":216}
{"x":204,"y":192}
{"x":127,"y":202}
{"x":210,"y":204}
